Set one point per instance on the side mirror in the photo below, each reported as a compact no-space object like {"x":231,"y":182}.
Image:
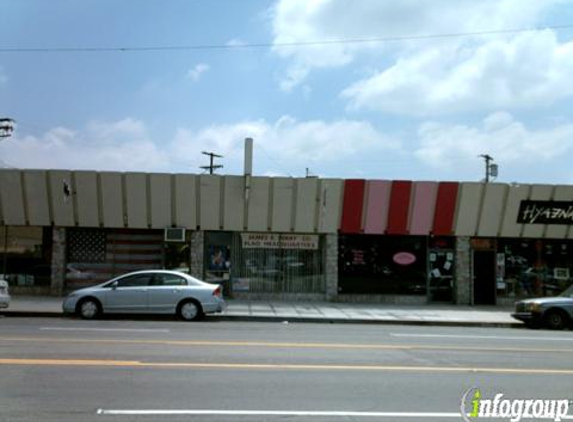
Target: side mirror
{"x":114,"y":285}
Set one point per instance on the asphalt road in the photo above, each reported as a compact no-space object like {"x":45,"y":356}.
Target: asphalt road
{"x":125,"y":370}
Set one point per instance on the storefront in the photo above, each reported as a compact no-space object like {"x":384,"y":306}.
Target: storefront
{"x":381,"y":241}
{"x":26,"y":257}
{"x":249,"y":264}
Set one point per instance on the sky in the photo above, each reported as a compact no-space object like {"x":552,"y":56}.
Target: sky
{"x":409,"y":90}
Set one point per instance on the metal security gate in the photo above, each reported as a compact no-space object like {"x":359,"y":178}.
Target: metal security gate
{"x":277,"y":269}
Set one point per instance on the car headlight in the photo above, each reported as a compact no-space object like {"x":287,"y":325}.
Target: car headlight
{"x":533,"y":307}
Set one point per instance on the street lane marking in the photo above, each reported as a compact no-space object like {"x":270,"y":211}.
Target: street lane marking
{"x":462,"y":336}
{"x":135,"y":330}
{"x":425,"y":415}
{"x":210,"y":343}
{"x":278,"y":366}
{"x":68,"y":362}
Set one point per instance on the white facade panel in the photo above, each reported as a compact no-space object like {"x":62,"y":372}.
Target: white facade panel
{"x":160,"y":189}
{"x":469,"y":204}
{"x":87,"y":198}
{"x":234,"y":200}
{"x":258,"y":214}
{"x":112,"y":199}
{"x":186,"y":201}
{"x":62,"y":204}
{"x":283,"y":196}
{"x":210,"y":205}
{"x":136,"y":200}
{"x":330,"y":205}
{"x":36,"y":183}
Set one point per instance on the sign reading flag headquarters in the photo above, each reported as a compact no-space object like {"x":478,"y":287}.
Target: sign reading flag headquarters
{"x":545,"y":212}
{"x":279,"y":241}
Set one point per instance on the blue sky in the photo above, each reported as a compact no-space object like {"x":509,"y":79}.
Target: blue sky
{"x":420,"y":108}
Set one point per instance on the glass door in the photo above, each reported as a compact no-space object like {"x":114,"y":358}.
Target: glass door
{"x":441,"y":275}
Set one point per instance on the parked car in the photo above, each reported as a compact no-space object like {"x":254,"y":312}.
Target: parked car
{"x":552,"y":312}
{"x":148,"y":292}
{"x":4,"y":294}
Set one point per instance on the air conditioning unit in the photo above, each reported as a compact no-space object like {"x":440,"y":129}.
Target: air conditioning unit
{"x":175,"y":234}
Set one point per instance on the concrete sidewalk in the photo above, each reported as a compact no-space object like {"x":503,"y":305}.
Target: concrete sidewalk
{"x":445,"y":315}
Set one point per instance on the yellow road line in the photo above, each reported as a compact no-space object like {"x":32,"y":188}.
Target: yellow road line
{"x":277,"y":366}
{"x":293,"y":345}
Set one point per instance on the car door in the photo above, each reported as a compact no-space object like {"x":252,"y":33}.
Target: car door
{"x":165,"y":292}
{"x":129,"y":294}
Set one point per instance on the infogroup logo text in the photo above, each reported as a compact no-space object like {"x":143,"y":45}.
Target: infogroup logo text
{"x":475,"y":407}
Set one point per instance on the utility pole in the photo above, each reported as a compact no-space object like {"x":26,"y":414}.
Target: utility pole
{"x":211,"y":167}
{"x":6,"y":127}
{"x":491,"y":169}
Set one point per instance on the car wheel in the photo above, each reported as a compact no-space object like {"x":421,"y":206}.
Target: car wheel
{"x":89,"y":309}
{"x":555,"y":319}
{"x":190,"y":310}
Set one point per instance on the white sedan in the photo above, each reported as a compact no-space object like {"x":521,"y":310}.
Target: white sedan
{"x":148,"y":292}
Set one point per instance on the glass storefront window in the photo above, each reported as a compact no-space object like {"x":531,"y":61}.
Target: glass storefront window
{"x":277,"y":263}
{"x":528,"y":268}
{"x":372,"y":264}
{"x":26,"y":254}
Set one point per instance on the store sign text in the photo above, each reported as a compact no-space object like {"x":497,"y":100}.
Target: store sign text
{"x":279,"y":241}
{"x":545,"y":212}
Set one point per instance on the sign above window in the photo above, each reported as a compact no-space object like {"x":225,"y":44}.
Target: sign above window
{"x":280,"y":241}
{"x":545,"y":212}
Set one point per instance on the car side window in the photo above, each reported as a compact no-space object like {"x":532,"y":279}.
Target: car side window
{"x":139,"y":280}
{"x":169,"y":280}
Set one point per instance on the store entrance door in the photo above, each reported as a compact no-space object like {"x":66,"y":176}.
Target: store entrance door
{"x":441,"y":276}
{"x":484,"y":277}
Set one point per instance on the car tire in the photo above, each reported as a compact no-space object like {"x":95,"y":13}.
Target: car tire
{"x":555,"y":319}
{"x":89,"y":308}
{"x":190,"y":310}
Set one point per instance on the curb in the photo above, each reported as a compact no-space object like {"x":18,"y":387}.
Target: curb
{"x":305,"y":320}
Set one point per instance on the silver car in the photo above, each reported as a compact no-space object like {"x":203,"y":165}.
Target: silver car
{"x":148,"y":292}
{"x":555,"y":313}
{"x":4,"y":294}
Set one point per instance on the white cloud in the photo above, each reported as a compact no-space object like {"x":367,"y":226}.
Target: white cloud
{"x":291,"y":143}
{"x":282,"y":147}
{"x":425,"y":76}
{"x":123,"y":145}
{"x":235,"y":42}
{"x":456,"y":147}
{"x":529,"y":70}
{"x":196,"y":72}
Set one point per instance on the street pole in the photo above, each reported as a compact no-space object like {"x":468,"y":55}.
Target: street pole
{"x":488,"y":159}
{"x":211,"y":167}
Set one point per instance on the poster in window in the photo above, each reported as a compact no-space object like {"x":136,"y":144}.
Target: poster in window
{"x":219,"y":258}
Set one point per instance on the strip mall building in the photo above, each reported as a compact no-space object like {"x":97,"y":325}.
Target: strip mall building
{"x":287,"y":238}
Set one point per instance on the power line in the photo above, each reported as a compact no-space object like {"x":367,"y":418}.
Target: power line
{"x":274,"y":45}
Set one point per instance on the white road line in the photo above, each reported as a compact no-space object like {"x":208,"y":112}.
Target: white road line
{"x":123,"y":330}
{"x":425,"y":415}
{"x":540,"y":338}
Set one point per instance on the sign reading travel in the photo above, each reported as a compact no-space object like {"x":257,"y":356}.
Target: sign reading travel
{"x":545,"y":212}
{"x":280,"y":241}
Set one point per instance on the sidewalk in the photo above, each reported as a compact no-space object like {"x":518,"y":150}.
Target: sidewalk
{"x":325,"y":312}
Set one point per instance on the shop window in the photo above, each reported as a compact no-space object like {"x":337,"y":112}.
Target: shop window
{"x":382,"y":265}
{"x":277,"y":263}
{"x":26,"y":255}
{"x":527,"y":268}
{"x":96,"y":255}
